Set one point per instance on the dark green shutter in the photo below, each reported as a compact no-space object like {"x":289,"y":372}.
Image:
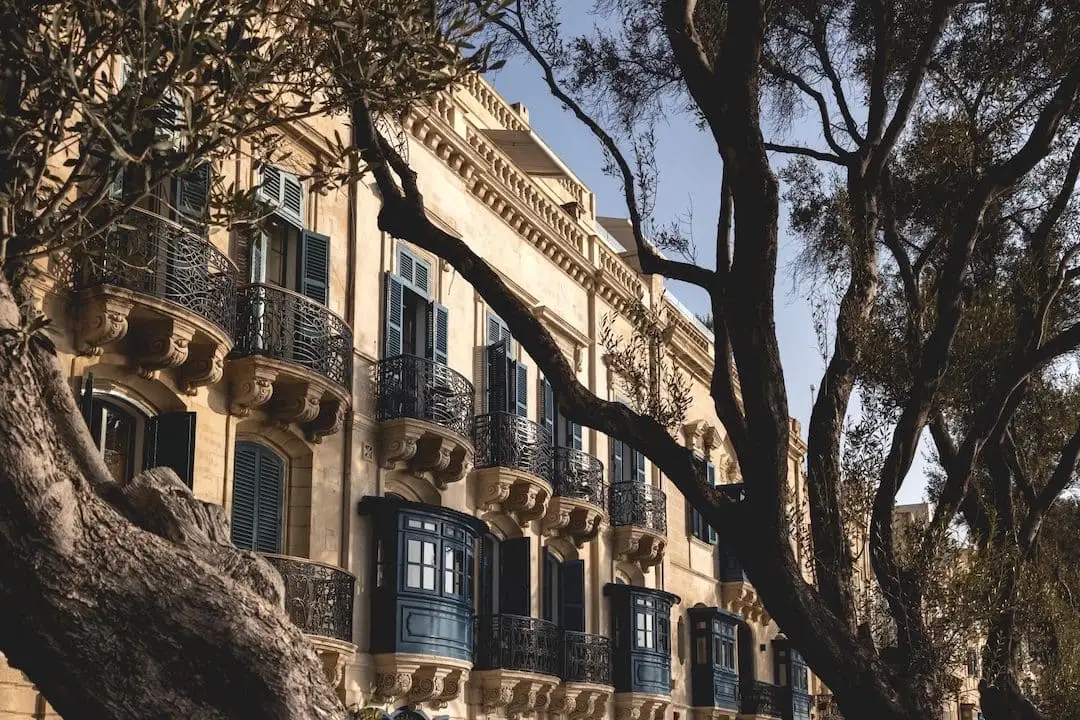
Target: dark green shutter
{"x":193,"y":192}
{"x":639,"y":466}
{"x":116,"y":185}
{"x":497,"y":378}
{"x":292,"y":200}
{"x":414,"y":272}
{"x":438,"y":333}
{"x":551,"y":600}
{"x":86,"y":399}
{"x":245,"y":488}
{"x":573,"y":595}
{"x":515,"y":588}
{"x":395,"y":314}
{"x":170,"y":442}
{"x":710,"y":476}
{"x":314,"y":270}
{"x":575,"y":433}
{"x":268,"y":509}
{"x":616,"y":460}
{"x":269,"y":189}
{"x":547,"y":408}
{"x":522,"y":400}
{"x":489,"y":575}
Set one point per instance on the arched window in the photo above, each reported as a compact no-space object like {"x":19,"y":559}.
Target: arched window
{"x":117,"y":429}
{"x":258,"y":491}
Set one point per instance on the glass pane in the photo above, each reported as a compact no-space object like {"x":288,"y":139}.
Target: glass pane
{"x":429,"y":553}
{"x":414,"y":551}
{"x":429,"y":578}
{"x":118,"y":443}
{"x":412,"y":576}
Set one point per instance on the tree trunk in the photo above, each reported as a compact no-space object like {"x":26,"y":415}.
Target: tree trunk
{"x":129,"y":601}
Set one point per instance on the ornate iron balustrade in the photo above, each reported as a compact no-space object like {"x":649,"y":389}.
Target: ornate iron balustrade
{"x":586,"y":658}
{"x":760,"y":698}
{"x":279,"y":323}
{"x":407,"y":386}
{"x":579,"y":475}
{"x":826,"y":708}
{"x":512,"y":642}
{"x":634,"y":503}
{"x":318,"y":597}
{"x":506,"y":440}
{"x":149,"y":254}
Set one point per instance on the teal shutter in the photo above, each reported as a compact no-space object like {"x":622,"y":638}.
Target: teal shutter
{"x":170,"y":442}
{"x":573,"y":595}
{"x":522,"y":400}
{"x":269,"y":189}
{"x":268,"y":508}
{"x":414,"y":272}
{"x":116,"y":185}
{"x":575,"y":432}
{"x":291,"y":206}
{"x":497,"y":377}
{"x":547,"y":407}
{"x":193,"y":192}
{"x":314,"y":269}
{"x":639,"y":466}
{"x":395,"y":314}
{"x":710,"y":475}
{"x":616,"y":460}
{"x":438,"y":333}
{"x":245,"y":486}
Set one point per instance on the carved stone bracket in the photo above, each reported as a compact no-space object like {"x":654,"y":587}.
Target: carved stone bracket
{"x":417,"y":680}
{"x":639,"y":545}
{"x":512,"y":694}
{"x":205,"y":366}
{"x":575,"y":519}
{"x":522,"y":495}
{"x":741,"y":598}
{"x":289,"y":393}
{"x":425,"y":450}
{"x":639,"y":706}
{"x":295,"y":403}
{"x":162,"y":343}
{"x":579,"y":701}
{"x":251,"y":385}
{"x":334,"y":654}
{"x":102,"y":319}
{"x":713,"y":713}
{"x":328,"y":422}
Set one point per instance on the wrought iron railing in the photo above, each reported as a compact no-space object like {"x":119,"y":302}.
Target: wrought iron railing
{"x":279,"y":323}
{"x":825,"y":708}
{"x":503,"y":439}
{"x":318,"y":597}
{"x":758,"y":698}
{"x":586,"y":658}
{"x":407,"y":386}
{"x":579,"y":475}
{"x":149,"y":254}
{"x":513,"y":642}
{"x":635,"y":503}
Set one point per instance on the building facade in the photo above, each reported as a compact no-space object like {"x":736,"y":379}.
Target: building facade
{"x":448,"y":539}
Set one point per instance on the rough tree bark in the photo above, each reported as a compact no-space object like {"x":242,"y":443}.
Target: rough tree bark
{"x":129,"y":601}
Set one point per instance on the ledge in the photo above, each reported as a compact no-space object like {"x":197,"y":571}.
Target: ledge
{"x":512,"y":693}
{"x":425,"y":450}
{"x":640,"y":706}
{"x":579,"y":701}
{"x":416,"y":680}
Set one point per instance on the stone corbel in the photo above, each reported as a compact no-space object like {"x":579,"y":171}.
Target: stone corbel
{"x":435,"y":686}
{"x":103,"y":319}
{"x":390,"y":686}
{"x":576,"y":701}
{"x":693,"y":432}
{"x":205,"y":366}
{"x":162,"y":343}
{"x":636,"y":706}
{"x":527,"y":501}
{"x":579,"y":521}
{"x":296,"y":403}
{"x":250,"y":386}
{"x":493,"y":488}
{"x":328,"y":422}
{"x":424,"y":451}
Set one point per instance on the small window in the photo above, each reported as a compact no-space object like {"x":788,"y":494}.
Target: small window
{"x":117,"y":431}
{"x":420,"y":564}
{"x":644,"y":625}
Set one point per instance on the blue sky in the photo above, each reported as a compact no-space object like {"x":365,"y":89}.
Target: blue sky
{"x":690,"y":169}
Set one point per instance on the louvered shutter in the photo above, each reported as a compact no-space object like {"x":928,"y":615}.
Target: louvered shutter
{"x":497,"y":379}
{"x":193,"y":192}
{"x":547,"y":407}
{"x":291,"y":207}
{"x":710,"y":475}
{"x":170,"y":442}
{"x":414,"y":272}
{"x":515,"y":596}
{"x":489,"y":575}
{"x":639,"y":466}
{"x":314,"y":270}
{"x":551,"y":599}
{"x":575,"y":434}
{"x":616,"y":460}
{"x":245,"y":487}
{"x":573,"y":595}
{"x":268,"y":508}
{"x":116,"y":185}
{"x":522,"y":400}
{"x":438,"y":333}
{"x":395,"y":312}
{"x":269,"y":189}
{"x":86,"y":399}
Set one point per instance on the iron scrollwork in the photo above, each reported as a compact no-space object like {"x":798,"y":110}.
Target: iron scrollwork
{"x":579,"y":475}
{"x":760,"y":698}
{"x":152,"y":255}
{"x":635,"y":503}
{"x":512,"y":642}
{"x":407,"y":386}
{"x":586,"y":658}
{"x":278,"y":323}
{"x":503,"y":439}
{"x":318,"y":598}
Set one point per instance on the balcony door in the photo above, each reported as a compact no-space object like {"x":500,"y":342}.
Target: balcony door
{"x":563,"y":600}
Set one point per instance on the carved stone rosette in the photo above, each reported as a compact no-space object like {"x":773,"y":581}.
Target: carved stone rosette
{"x":639,"y":706}
{"x":522,"y":495}
{"x":513,"y":694}
{"x":577,"y":520}
{"x":418,"y":680}
{"x":579,"y":701}
{"x":334,"y":655}
{"x":425,"y":450}
{"x":639,"y":545}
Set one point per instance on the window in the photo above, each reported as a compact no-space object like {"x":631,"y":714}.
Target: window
{"x":627,"y":464}
{"x":436,"y":558}
{"x":645,"y":624}
{"x":695,"y":522}
{"x":723,"y":645}
{"x":257,"y":502}
{"x":117,"y":430}
{"x":415,"y":324}
{"x":420,"y":565}
{"x":506,"y":378}
{"x":564,"y":433}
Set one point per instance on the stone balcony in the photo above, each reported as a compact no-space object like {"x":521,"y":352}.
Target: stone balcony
{"x":425,"y":412}
{"x":639,"y":518}
{"x":293,"y":359}
{"x":160,"y":294}
{"x":517,"y":661}
{"x":319,"y":600}
{"x":513,"y":466}
{"x":579,"y":506}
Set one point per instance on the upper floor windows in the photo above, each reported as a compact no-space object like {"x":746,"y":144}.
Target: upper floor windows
{"x":627,"y":464}
{"x":415,"y":324}
{"x":564,"y":433}
{"x":506,"y":378}
{"x":564,"y":592}
{"x":695,"y":522}
{"x":437,"y":558}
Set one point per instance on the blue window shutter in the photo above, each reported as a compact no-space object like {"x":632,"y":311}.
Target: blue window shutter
{"x":170,"y":442}
{"x":616,"y":460}
{"x":291,"y":207}
{"x":522,"y":404}
{"x":497,"y":377}
{"x":268,"y":510}
{"x":438,"y":333}
{"x":269,"y":189}
{"x":710,"y":475}
{"x":193,"y":192}
{"x":547,"y":407}
{"x":315,"y":266}
{"x":245,"y":487}
{"x":414,"y":272}
{"x":573,"y":595}
{"x":406,"y":265}
{"x":575,"y":431}
{"x":395,"y":315}
{"x":639,"y":466}
{"x":422,"y":277}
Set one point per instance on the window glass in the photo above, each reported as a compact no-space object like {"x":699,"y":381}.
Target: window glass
{"x":645,"y":630}
{"x":662,"y":634}
{"x":420,"y":564}
{"x":701,"y":650}
{"x":114,"y":430}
